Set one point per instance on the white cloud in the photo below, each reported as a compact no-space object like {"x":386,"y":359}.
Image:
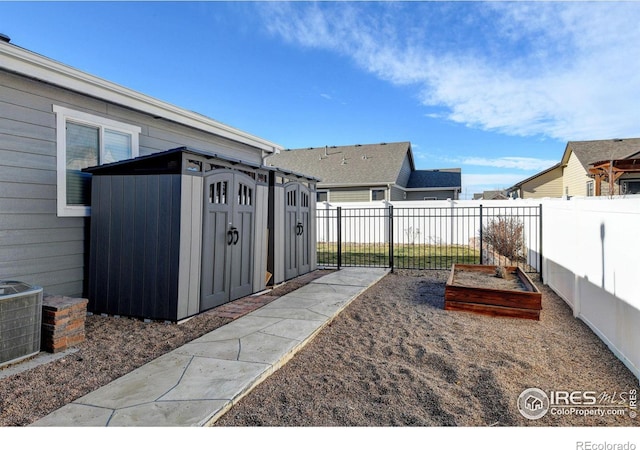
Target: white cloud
{"x":521,"y":163}
{"x":564,"y":70}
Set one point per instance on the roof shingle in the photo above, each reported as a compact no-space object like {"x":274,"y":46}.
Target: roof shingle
{"x":352,"y":164}
{"x":441,"y":178}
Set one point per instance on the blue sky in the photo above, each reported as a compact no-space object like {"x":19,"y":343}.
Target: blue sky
{"x":496,"y":88}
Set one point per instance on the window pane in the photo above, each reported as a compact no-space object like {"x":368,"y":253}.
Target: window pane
{"x":83,"y":144}
{"x":117,"y":146}
{"x":377,"y":194}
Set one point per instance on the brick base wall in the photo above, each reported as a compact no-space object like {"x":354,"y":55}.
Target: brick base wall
{"x":62,"y":322}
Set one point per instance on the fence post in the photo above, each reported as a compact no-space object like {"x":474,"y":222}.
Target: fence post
{"x":540,"y":243}
{"x":391,"y":237}
{"x":339,"y":232}
{"x":481,"y":253}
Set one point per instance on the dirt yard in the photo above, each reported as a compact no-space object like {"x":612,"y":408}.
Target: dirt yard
{"x":394,"y":357}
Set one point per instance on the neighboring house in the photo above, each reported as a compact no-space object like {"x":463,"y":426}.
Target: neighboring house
{"x":56,"y":120}
{"x":573,"y":175}
{"x":491,"y":195}
{"x":372,"y":172}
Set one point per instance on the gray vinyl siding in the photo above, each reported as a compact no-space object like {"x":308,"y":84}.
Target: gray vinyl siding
{"x":405,"y":172}
{"x":439,"y":195}
{"x":397,"y":194}
{"x":349,"y":195}
{"x":36,"y":246}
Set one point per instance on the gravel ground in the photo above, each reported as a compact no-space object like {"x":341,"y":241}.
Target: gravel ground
{"x":394,"y":357}
{"x":113,"y":347}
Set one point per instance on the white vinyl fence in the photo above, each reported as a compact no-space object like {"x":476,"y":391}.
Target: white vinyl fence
{"x":590,"y":246}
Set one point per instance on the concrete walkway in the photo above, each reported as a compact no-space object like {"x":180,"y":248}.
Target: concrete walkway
{"x":197,"y":383}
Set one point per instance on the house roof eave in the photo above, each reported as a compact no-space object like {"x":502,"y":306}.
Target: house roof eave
{"x":532,"y":177}
{"x":27,"y":63}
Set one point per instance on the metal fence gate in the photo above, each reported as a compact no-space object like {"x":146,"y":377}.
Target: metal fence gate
{"x":430,"y":237}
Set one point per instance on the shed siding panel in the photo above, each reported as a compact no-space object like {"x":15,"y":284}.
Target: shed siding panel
{"x":131,"y":269}
{"x":278,"y":238}
{"x":190,"y":250}
{"x":128,"y":272}
{"x":260,"y":238}
{"x":28,"y":174}
{"x":313,"y":223}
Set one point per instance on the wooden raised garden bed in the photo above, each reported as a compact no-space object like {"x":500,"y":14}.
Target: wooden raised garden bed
{"x":476,"y":288}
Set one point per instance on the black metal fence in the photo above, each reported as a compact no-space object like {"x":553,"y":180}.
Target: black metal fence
{"x":430,"y":237}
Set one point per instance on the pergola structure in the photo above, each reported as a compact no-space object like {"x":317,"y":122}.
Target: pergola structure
{"x":611,"y":171}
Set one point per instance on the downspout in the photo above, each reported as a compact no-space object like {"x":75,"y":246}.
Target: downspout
{"x":266,"y":154}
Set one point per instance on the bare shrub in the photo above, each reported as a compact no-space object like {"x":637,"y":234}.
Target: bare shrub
{"x":506,"y":236}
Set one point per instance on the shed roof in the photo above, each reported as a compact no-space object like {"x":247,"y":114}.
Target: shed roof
{"x":348,"y":165}
{"x":169,"y":162}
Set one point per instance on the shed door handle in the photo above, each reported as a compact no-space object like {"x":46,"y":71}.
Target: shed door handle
{"x":236,"y":236}
{"x":230,"y":234}
{"x":300,"y":229}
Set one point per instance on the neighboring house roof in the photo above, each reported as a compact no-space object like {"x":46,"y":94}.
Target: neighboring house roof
{"x":24,"y":62}
{"x":589,"y":152}
{"x":494,"y":195}
{"x":438,"y":178}
{"x":357,"y":165}
{"x":533,"y":177}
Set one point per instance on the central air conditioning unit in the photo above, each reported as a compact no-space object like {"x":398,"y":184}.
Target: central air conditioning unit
{"x":20,"y":321}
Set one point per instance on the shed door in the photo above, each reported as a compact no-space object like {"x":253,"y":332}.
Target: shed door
{"x":297,"y":245}
{"x":227,"y":266}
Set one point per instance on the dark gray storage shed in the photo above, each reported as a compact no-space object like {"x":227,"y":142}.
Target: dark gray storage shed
{"x":292,"y":224}
{"x":176,"y":233}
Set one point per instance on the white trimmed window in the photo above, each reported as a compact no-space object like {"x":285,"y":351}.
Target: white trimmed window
{"x":85,"y":140}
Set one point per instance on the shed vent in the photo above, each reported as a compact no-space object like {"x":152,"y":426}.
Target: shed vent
{"x":4,"y":38}
{"x":20,"y":321}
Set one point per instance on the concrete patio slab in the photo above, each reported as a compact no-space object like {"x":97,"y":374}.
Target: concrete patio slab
{"x":192,"y":413}
{"x":197,"y":383}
